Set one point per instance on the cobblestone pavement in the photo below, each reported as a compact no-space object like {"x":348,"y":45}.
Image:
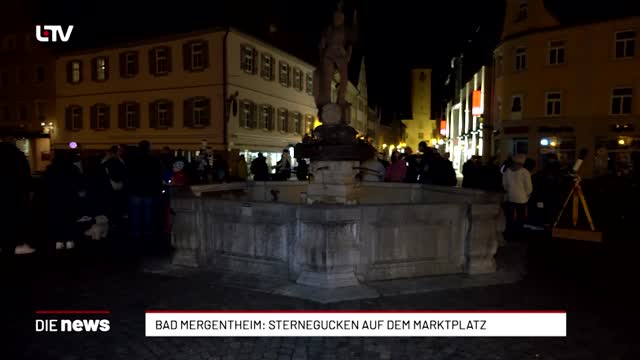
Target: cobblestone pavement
{"x":96,"y":277}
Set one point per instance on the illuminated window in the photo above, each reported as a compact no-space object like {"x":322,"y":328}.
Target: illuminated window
{"x":39,"y":74}
{"x":248,"y":59}
{"x":284,"y":77}
{"x":308,"y":124}
{"x":625,"y":44}
{"x":556,"y":53}
{"x":266,"y":117}
{"x":283,"y":120}
{"x":297,"y":79}
{"x":267,"y":67}
{"x":309,"y":83}
{"x":553,"y":104}
{"x":100,"y":69}
{"x":248,"y":114}
{"x":521,"y":59}
{"x":621,"y":100}
{"x":420,"y":136}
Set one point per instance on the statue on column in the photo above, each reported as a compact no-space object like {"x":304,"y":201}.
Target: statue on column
{"x":335,"y":53}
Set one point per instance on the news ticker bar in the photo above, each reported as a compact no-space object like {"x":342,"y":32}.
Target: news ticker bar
{"x":355,"y":324}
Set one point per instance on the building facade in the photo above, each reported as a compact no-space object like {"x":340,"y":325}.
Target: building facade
{"x":560,"y":89}
{"x":27,"y":93}
{"x":466,"y":132}
{"x":221,"y":89}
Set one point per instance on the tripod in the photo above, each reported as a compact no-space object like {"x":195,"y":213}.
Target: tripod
{"x":578,"y":199}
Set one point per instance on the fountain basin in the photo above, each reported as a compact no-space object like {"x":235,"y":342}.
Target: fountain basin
{"x":396,"y":231}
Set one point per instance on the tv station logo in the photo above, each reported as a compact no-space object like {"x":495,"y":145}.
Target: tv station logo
{"x":78,"y":321}
{"x":53,"y":33}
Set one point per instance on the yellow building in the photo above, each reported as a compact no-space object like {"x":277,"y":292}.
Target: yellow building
{"x":559,"y":89}
{"x":421,"y":127}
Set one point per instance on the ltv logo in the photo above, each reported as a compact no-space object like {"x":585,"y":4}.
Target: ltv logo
{"x":53,"y":33}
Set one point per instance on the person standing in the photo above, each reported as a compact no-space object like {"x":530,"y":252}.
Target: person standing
{"x":517,"y":183}
{"x":64,"y":199}
{"x":259,"y":168}
{"x":471,"y":172}
{"x":15,"y":188}
{"x":283,"y":167}
{"x":241,"y":172}
{"x":398,"y":168}
{"x":145,"y":187}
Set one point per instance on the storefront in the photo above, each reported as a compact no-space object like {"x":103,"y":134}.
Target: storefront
{"x":616,"y":156}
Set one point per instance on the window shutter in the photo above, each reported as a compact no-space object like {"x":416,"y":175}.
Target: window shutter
{"x":254,"y":115}
{"x":94,"y":69}
{"x":67,"y":118}
{"x":152,"y":61}
{"x":81,"y":124}
{"x":93,"y":120}
{"x":255,"y":61}
{"x":207,"y":112}
{"x":188,"y":113}
{"x":122,"y":116}
{"x":106,"y":68}
{"x":170,"y":114}
{"x":169,"y":58}
{"x":205,"y":54}
{"x":69,"y":71}
{"x":136,"y":109}
{"x":136,"y":63}
{"x":186,"y":56}
{"x":123,"y":64}
{"x":153,"y":115}
{"x":107,"y":116}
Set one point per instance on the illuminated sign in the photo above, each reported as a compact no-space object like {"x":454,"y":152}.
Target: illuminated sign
{"x":477,"y":103}
{"x":443,"y":127}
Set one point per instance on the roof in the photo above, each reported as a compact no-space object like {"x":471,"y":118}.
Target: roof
{"x":150,"y":39}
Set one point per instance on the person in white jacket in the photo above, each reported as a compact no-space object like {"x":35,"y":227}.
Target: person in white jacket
{"x":517,"y":184}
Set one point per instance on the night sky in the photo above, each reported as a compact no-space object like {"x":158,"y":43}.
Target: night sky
{"x":395,"y":35}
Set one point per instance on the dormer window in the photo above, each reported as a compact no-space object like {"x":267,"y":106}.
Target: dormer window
{"x":523,"y":11}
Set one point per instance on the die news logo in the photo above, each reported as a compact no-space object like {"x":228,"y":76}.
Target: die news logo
{"x":53,"y":33}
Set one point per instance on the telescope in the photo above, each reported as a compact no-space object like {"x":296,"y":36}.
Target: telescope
{"x":576,"y":197}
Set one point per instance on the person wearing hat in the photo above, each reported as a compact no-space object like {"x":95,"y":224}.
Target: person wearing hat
{"x":517,"y":184}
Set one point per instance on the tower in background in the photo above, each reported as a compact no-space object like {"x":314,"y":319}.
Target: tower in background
{"x":420,"y":127}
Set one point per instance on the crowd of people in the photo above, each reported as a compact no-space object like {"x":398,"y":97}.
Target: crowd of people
{"x":123,"y":188}
{"x":127,"y":187}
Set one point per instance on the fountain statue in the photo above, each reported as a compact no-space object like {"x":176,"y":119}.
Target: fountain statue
{"x":334,"y":150}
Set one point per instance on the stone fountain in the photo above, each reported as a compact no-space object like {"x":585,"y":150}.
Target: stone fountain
{"x":334,"y":238}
